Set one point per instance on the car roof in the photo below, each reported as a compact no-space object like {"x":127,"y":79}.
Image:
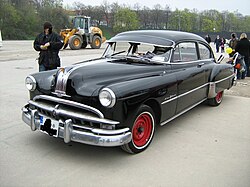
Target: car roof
{"x":157,"y":37}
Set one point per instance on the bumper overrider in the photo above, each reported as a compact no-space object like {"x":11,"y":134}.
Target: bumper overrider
{"x":62,"y":124}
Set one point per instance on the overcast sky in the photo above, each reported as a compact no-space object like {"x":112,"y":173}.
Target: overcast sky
{"x":242,"y":6}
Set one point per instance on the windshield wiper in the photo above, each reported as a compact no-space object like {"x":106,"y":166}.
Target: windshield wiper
{"x":144,"y":60}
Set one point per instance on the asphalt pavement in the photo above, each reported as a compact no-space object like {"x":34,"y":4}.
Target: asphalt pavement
{"x":207,"y":146}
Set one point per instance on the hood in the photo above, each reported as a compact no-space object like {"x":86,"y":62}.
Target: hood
{"x":84,"y":79}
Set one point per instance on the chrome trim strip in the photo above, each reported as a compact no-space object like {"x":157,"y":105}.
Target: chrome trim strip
{"x":110,"y":132}
{"x":230,"y":76}
{"x":190,"y":62}
{"x":70,"y":103}
{"x":63,"y":76}
{"x":195,"y":89}
{"x":184,"y":111}
{"x":210,"y":94}
{"x":186,"y":93}
{"x":67,"y":113}
{"x":61,"y":82}
{"x":167,"y":101}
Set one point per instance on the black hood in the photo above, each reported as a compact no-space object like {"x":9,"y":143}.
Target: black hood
{"x":91,"y":76}
{"x":88,"y":78}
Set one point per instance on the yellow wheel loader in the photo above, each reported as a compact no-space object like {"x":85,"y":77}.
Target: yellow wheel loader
{"x":82,"y":34}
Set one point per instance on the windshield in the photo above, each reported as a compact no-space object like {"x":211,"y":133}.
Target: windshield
{"x":138,"y":52}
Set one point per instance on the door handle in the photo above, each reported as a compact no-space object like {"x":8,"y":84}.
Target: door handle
{"x":200,"y":64}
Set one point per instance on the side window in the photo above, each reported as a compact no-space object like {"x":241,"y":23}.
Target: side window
{"x":204,"y":52}
{"x":185,"y":52}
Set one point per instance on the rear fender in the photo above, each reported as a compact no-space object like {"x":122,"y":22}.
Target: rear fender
{"x":221,"y":78}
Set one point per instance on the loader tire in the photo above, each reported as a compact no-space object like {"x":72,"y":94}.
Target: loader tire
{"x":75,"y":42}
{"x":96,"y":43}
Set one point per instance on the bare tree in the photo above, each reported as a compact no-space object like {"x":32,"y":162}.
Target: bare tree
{"x":105,"y":7}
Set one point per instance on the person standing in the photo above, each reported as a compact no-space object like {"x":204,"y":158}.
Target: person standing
{"x":232,"y":44}
{"x":223,"y":42}
{"x":217,"y":43}
{"x":243,"y":47}
{"x":208,"y":39}
{"x":48,"y":43}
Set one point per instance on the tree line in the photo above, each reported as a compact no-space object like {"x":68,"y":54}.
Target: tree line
{"x":23,"y":19}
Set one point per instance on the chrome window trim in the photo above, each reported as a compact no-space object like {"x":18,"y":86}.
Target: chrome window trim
{"x":190,"y":62}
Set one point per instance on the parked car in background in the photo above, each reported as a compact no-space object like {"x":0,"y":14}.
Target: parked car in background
{"x":143,"y":79}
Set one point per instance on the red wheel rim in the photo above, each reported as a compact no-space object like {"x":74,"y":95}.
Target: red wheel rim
{"x":142,"y":129}
{"x":219,"y":97}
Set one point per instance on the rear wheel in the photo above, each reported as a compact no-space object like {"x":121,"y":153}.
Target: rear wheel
{"x":75,"y":42}
{"x":96,"y":43}
{"x":143,"y":128}
{"x":216,"y":101}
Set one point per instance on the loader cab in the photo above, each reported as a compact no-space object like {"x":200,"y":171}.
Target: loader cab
{"x":82,"y":23}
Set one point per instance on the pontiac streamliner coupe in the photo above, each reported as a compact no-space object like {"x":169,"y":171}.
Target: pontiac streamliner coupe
{"x":143,"y":79}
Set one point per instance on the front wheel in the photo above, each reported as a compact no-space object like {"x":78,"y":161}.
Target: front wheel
{"x":75,"y":42}
{"x":216,"y":101}
{"x":96,"y":43}
{"x":143,"y":128}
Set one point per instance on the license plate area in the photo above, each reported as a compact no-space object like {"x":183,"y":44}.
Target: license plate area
{"x":49,"y":126}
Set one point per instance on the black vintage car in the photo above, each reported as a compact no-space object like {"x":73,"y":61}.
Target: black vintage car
{"x":143,"y":79}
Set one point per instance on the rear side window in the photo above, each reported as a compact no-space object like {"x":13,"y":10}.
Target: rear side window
{"x":204,"y":52}
{"x":185,"y":52}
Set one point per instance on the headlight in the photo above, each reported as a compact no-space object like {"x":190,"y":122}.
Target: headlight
{"x":107,"y":97}
{"x":30,"y":83}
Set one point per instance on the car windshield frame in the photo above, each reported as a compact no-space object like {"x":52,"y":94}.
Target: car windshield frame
{"x":129,"y":50}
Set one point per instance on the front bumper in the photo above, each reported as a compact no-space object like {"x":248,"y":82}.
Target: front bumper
{"x":79,"y":133}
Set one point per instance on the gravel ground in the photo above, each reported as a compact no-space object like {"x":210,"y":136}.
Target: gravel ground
{"x":242,"y":88}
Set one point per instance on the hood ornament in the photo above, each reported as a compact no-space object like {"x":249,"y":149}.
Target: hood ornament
{"x":61,"y":82}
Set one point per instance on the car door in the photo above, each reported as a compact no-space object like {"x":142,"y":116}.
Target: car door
{"x":190,"y":74}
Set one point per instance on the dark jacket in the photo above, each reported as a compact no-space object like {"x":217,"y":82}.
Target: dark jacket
{"x":49,"y":58}
{"x":243,"y":47}
{"x":208,"y":39}
{"x":233,"y":43}
{"x":217,"y":41}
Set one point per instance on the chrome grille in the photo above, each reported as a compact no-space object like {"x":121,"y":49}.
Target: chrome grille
{"x":61,"y":109}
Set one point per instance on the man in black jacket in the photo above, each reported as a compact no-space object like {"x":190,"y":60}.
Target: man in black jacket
{"x":48,"y":43}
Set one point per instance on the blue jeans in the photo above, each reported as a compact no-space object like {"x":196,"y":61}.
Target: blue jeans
{"x":241,"y":75}
{"x":42,"y":68}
